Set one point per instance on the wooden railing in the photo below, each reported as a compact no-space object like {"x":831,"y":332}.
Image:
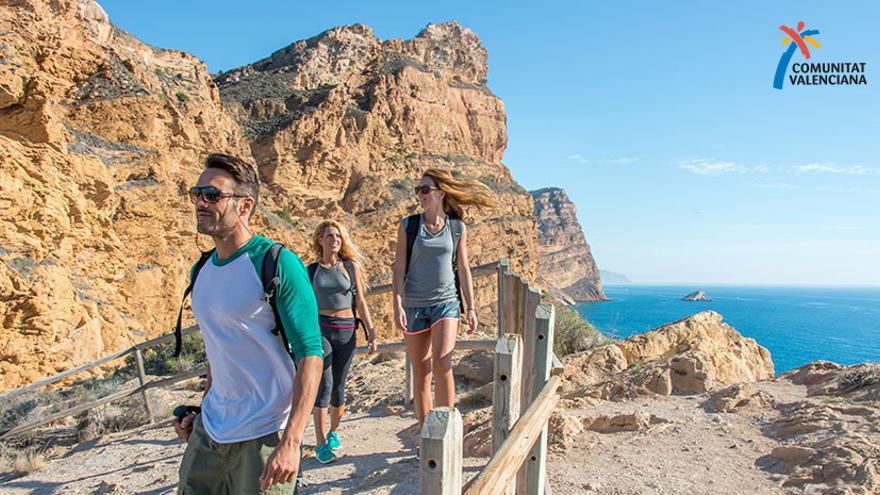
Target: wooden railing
{"x":524,"y":396}
{"x":144,"y":385}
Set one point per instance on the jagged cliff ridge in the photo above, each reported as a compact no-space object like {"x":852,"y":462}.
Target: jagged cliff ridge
{"x":100,"y":135}
{"x":342,"y":124}
{"x":565,"y":258}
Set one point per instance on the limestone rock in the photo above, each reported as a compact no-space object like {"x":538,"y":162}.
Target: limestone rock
{"x":690,"y":356}
{"x":635,"y":421}
{"x":831,"y":437}
{"x":567,"y":264}
{"x":475,"y":367}
{"x":739,"y":397}
{"x":101,"y":135}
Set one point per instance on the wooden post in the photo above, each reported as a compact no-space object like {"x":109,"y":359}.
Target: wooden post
{"x":441,"y":453}
{"x":502,"y":467}
{"x":503,"y":266}
{"x":507,"y":308}
{"x":142,"y":379}
{"x":536,"y":462}
{"x":408,"y":381}
{"x":531,"y":299}
{"x":506,"y":394}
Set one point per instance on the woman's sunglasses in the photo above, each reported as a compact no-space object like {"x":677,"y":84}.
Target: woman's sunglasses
{"x":211,"y":194}
{"x":425,"y":189}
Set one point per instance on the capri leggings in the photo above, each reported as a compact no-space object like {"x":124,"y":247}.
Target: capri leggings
{"x":339,"y":341}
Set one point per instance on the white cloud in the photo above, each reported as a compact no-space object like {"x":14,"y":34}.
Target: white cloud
{"x":705,"y":166}
{"x":832,"y":168}
{"x":578,"y":158}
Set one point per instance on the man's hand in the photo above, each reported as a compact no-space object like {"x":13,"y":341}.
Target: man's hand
{"x":184,"y":427}
{"x":281,"y":466}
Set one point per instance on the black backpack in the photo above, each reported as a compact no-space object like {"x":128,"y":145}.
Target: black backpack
{"x":352,"y":279}
{"x":271,"y":281}
{"x":413,"y":223}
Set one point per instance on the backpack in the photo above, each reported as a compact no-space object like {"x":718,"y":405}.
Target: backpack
{"x":271,"y":281}
{"x":413,"y":223}
{"x":352,"y":279}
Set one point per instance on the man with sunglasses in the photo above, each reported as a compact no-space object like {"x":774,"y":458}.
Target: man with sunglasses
{"x":248,"y":435}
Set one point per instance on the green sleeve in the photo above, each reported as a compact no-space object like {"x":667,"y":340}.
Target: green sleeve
{"x":297,"y":307}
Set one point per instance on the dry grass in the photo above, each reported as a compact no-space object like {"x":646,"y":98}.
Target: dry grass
{"x":22,"y":455}
{"x":861,"y":377}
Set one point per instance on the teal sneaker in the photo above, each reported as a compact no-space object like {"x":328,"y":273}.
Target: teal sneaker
{"x":333,"y":440}
{"x":324,"y":454}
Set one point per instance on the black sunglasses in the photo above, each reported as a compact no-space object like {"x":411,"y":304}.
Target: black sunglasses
{"x":211,"y":194}
{"x":425,"y":189}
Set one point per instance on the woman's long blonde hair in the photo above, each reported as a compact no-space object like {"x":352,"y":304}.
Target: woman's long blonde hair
{"x":460,"y":192}
{"x":347,"y":251}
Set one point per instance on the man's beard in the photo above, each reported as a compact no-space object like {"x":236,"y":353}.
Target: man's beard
{"x":213,"y":226}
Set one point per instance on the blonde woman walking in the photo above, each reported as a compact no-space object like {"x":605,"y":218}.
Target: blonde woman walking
{"x":338,"y":282}
{"x":432,"y":282}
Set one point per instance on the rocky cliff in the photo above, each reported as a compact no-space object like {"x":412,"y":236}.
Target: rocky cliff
{"x":566,"y":261}
{"x":101,"y":134}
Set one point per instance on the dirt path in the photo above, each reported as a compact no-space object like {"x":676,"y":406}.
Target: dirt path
{"x":375,"y":459}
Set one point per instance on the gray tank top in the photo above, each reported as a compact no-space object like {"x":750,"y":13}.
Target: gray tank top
{"x":332,"y":288}
{"x":430,"y":279}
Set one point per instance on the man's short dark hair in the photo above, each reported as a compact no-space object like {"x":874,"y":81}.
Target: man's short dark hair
{"x":242,"y":172}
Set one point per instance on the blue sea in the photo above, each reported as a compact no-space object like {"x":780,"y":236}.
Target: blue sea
{"x":796,"y":324}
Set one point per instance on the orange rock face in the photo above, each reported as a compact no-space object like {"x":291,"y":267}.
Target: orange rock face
{"x":566,"y":260}
{"x":100,"y":135}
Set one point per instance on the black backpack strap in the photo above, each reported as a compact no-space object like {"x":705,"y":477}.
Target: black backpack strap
{"x":413,"y":222}
{"x":271,"y":283}
{"x":352,"y":277}
{"x":456,"y":226}
{"x":178,"y":332}
{"x":313,"y":268}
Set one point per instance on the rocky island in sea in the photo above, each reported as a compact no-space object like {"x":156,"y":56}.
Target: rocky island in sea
{"x":696,"y":296}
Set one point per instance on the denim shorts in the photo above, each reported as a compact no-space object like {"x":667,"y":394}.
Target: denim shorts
{"x":423,"y":319}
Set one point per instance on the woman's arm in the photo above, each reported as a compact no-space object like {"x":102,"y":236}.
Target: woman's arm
{"x":467,"y":282}
{"x":398,"y":272}
{"x":363,"y":310}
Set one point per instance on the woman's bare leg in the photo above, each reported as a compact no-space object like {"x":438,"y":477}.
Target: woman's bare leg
{"x":320,"y":416}
{"x":418,"y":347}
{"x":443,"y":338}
{"x":336,"y":416}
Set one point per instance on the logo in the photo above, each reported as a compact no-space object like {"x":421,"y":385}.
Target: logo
{"x":813,"y":74}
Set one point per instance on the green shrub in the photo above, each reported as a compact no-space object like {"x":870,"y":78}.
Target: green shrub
{"x":572,"y":333}
{"x":182,"y":97}
{"x":285,"y":214}
{"x":160,"y":360}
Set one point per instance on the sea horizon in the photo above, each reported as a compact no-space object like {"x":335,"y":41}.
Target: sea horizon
{"x":797,"y":324}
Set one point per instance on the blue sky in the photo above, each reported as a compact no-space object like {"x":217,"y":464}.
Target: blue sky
{"x":658,"y":118}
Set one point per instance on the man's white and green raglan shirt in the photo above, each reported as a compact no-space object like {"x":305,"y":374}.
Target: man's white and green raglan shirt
{"x":251,"y":373}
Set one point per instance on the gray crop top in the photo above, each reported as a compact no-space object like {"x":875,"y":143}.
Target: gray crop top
{"x":332,"y":288}
{"x":430,"y":279}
